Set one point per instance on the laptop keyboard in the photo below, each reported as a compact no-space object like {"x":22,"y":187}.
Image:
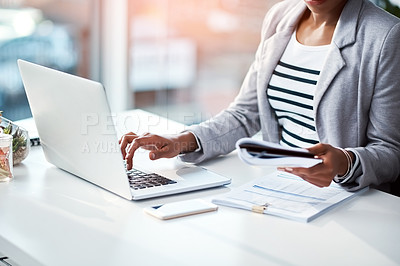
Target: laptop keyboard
{"x":141,"y":180}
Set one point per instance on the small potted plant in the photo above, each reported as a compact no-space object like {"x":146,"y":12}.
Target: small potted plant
{"x":20,"y":143}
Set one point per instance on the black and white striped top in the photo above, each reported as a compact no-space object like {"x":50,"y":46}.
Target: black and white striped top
{"x":291,"y":91}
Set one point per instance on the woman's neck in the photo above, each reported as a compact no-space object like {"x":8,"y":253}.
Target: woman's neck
{"x":318,"y":24}
{"x":323,"y":17}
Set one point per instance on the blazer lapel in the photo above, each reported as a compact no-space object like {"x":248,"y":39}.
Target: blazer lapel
{"x":272,"y":52}
{"x":275,"y":45}
{"x":334,"y":63}
{"x":345,"y":34}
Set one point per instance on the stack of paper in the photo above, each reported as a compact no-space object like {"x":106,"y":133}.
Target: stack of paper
{"x":287,"y":196}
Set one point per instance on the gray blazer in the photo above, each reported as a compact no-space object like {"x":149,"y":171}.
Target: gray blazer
{"x":356,"y":99}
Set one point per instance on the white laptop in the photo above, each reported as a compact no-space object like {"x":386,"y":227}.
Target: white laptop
{"x":61,"y":105}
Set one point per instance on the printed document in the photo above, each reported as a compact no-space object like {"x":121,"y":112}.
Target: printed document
{"x":286,"y":195}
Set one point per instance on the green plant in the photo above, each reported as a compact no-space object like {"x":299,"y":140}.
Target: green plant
{"x":18,"y":138}
{"x":20,"y":145}
{"x":389,"y":7}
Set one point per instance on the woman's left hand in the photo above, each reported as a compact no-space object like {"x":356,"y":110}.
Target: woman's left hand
{"x":334,"y":163}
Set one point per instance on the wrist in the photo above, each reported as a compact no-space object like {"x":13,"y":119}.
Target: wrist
{"x":187,"y":142}
{"x":346,"y":162}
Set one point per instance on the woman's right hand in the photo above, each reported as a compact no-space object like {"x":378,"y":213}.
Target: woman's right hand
{"x":166,"y":146}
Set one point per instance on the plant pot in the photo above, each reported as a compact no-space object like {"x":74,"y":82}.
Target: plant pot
{"x":21,"y":143}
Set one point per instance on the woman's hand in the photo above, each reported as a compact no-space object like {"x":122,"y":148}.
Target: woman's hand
{"x":167,"y":146}
{"x":334,"y":163}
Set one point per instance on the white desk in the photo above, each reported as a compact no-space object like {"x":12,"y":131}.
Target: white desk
{"x":49,"y":217}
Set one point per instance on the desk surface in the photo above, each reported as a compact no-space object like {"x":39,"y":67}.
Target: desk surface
{"x":49,"y":217}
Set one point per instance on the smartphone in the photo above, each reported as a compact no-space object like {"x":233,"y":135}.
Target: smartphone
{"x":180,"y":209}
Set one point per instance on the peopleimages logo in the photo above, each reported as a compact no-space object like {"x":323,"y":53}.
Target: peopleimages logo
{"x":100,"y":131}
{"x":104,"y":124}
{"x":100,"y":147}
{"x":110,"y":124}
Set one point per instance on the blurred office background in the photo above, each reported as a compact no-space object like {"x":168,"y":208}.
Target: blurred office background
{"x":184,"y":59}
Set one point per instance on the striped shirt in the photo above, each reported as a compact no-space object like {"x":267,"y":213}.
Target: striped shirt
{"x":291,"y":91}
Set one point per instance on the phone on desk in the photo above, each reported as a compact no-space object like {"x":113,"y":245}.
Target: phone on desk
{"x":180,"y":209}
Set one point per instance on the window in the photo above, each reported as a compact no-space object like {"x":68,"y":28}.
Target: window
{"x":188,"y":58}
{"x":185,"y":59}
{"x":54,"y":33}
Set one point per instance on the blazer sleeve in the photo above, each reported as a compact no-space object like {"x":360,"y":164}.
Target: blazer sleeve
{"x":219,"y":134}
{"x":380,"y":159}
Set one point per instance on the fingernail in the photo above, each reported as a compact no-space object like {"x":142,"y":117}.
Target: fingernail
{"x":288,"y":169}
{"x":152,"y":156}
